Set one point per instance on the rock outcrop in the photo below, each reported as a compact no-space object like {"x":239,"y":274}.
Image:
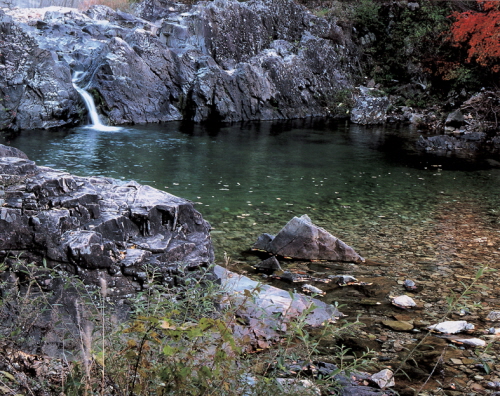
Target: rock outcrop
{"x":223,"y":60}
{"x":370,"y":107}
{"x":302,"y":240}
{"x":98,"y":228}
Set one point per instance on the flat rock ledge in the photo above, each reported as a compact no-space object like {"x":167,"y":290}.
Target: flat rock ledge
{"x":98,"y":228}
{"x":267,"y":310}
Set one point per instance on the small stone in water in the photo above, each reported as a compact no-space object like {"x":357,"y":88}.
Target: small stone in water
{"x":343,"y":279}
{"x":384,"y":378}
{"x":493,"y":385}
{"x":471,"y":341}
{"x":312,"y":289}
{"x":492,"y":330}
{"x":493,"y":316}
{"x":404,"y":302}
{"x":409,"y":285}
{"x":270,"y":264}
{"x":452,"y":326}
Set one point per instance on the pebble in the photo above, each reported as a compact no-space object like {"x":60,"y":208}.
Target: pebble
{"x":404,"y":302}
{"x":493,"y":316}
{"x":398,"y":325}
{"x":452,"y":326}
{"x":384,"y":378}
{"x":471,"y":341}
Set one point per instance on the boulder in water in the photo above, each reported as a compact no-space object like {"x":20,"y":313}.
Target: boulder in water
{"x":302,"y":240}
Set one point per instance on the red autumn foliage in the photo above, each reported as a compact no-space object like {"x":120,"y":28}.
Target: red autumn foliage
{"x":479,"y":33}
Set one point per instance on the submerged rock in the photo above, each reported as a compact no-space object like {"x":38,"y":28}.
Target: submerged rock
{"x":409,"y":284}
{"x":269,"y":265}
{"x":302,"y":240}
{"x":397,"y":325}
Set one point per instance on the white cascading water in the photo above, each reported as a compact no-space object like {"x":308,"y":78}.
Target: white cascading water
{"x":89,"y":103}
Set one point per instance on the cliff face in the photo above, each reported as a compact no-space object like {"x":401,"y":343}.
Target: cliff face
{"x":223,"y":60}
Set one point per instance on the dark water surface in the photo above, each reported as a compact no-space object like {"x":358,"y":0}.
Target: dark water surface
{"x":356,"y":182}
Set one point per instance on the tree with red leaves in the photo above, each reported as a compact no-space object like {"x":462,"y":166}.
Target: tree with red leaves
{"x":478,"y":32}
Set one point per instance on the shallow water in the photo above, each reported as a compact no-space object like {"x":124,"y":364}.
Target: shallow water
{"x":252,"y":178}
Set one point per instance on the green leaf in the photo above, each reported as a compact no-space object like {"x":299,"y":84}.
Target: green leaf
{"x":487,"y":368}
{"x":169,"y":351}
{"x":8,"y":375}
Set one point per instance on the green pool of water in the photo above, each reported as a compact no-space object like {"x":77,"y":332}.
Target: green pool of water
{"x":248,"y":179}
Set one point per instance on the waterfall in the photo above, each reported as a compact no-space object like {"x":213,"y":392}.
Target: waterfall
{"x":89,"y":103}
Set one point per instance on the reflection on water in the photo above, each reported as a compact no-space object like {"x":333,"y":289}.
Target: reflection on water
{"x":249,"y":179}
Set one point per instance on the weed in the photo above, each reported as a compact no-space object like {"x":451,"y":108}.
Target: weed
{"x":176,"y":341}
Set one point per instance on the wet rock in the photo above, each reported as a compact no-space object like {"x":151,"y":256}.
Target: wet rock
{"x":289,"y":276}
{"x":312,"y":289}
{"x":442,"y":144}
{"x":301,"y":239}
{"x":35,"y":86}
{"x":409,"y":285}
{"x":98,"y":227}
{"x":493,"y":385}
{"x":397,"y":325}
{"x":343,"y":280}
{"x":269,"y":265}
{"x":7,"y":151}
{"x":493,"y":316}
{"x":384,"y":378}
{"x":452,"y":326}
{"x":455,"y":119}
{"x":475,"y":342}
{"x":267,"y":310}
{"x":222,"y":60}
{"x":404,"y":302}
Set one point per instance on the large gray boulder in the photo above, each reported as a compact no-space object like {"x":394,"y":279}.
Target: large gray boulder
{"x":223,"y":60}
{"x":98,"y":228}
{"x":302,"y":240}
